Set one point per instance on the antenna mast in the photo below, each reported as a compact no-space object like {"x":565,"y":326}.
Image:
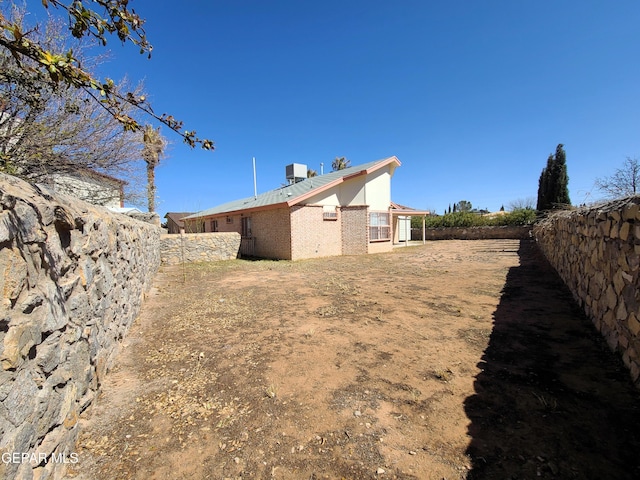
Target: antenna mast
{"x":255,"y":183}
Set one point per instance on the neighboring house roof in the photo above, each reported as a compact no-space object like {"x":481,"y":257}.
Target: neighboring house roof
{"x":177,"y":217}
{"x":125,"y":210}
{"x":85,"y":172}
{"x":290,"y":195}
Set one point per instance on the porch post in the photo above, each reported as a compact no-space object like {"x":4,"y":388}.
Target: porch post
{"x":424,"y":229}
{"x":407,"y":235}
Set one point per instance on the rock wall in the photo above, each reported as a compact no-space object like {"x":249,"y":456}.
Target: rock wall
{"x":73,"y":277}
{"x":198,"y":247}
{"x":596,"y":251}
{"x":148,"y":217}
{"x":471,"y":233}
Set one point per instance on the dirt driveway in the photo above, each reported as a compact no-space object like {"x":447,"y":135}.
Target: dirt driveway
{"x":457,"y":359}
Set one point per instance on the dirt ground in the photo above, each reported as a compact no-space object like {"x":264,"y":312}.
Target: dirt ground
{"x":452,"y":360}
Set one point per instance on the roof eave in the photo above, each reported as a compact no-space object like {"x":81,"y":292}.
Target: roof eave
{"x":271,"y":206}
{"x":409,"y":213}
{"x":385,"y":162}
{"x":338,"y":181}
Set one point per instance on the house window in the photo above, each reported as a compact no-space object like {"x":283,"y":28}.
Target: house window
{"x":246,"y":227}
{"x":229,"y":220}
{"x":214,"y":225}
{"x":379,"y":226}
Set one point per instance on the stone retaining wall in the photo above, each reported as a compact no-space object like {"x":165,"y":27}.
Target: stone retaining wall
{"x":73,"y":277}
{"x":472,"y":233}
{"x":148,"y":217}
{"x":198,"y":247}
{"x":596,"y":251}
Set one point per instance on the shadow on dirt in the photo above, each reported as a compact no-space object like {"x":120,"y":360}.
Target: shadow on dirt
{"x":551,"y":401}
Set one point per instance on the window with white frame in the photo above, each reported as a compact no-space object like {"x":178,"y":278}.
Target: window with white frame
{"x":379,"y":226}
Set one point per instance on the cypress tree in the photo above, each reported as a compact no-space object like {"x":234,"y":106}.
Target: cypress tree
{"x":544,"y":185}
{"x":553,"y":184}
{"x":561,"y":193}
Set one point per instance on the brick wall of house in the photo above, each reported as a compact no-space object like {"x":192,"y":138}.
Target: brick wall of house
{"x":312,"y":236}
{"x":223,"y":226}
{"x":272,"y":232}
{"x":172,"y":227}
{"x":355,"y":232}
{"x":380,"y":247}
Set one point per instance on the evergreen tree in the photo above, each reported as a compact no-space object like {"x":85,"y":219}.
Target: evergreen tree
{"x":561,"y":188}
{"x":464,"y":206}
{"x":544,"y":185}
{"x":553,"y":184}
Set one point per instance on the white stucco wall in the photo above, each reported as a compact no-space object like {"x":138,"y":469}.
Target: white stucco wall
{"x":87,"y":189}
{"x":373,"y":190}
{"x":378,"y":190}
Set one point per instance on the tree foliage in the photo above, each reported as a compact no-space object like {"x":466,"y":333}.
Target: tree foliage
{"x":152,"y":152}
{"x":463,"y":206}
{"x":625,"y":181}
{"x":340,"y":163}
{"x":468,"y":219}
{"x":61,"y":68}
{"x":46,"y":131}
{"x":553,"y":184}
{"x":522,"y":203}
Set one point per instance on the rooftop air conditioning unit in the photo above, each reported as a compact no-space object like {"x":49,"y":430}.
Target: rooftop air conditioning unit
{"x":296,"y":172}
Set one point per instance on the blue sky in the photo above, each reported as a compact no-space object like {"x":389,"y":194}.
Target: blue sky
{"x":472,"y":96}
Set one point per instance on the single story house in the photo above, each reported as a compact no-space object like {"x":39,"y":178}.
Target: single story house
{"x":88,"y":185}
{"x":346,"y":212}
{"x":175,"y":221}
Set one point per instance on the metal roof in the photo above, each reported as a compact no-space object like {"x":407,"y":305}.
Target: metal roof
{"x":398,"y":209}
{"x":289,"y":195}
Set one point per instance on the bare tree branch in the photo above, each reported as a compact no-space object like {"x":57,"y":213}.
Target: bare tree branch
{"x":59,"y":68}
{"x":47,"y":130}
{"x":624,"y":181}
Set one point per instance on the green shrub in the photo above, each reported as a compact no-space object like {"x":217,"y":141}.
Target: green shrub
{"x":524,"y":216}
